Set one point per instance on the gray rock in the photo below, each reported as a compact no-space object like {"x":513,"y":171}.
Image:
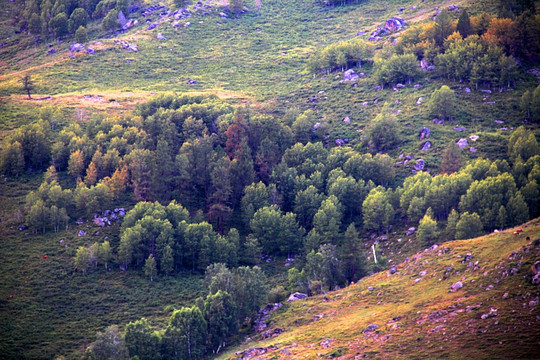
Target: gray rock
{"x":350,"y":76}
{"x":122,"y":19}
{"x":90,"y":51}
{"x":462,"y":143}
{"x":460,"y":128}
{"x":160,"y":36}
{"x":392,"y":270}
{"x":473,"y":149}
{"x":467,"y":90}
{"x":410,"y":231}
{"x":394,"y":24}
{"x":51,"y":51}
{"x":347,"y":120}
{"x":420,"y":165}
{"x":81,"y":233}
{"x":426,"y":146}
{"x":297,"y":296}
{"x":419,"y":101}
{"x":325,"y":344}
{"x":76,"y":47}
{"x":456,"y":286}
{"x":370,"y":328}
{"x":423,"y":273}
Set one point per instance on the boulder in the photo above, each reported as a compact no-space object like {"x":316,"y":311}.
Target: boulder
{"x":347,"y":120}
{"x":90,"y":51}
{"x":426,"y":146}
{"x":462,"y":143}
{"x":76,"y":47}
{"x":420,"y":165}
{"x":81,"y":233}
{"x":410,"y":231}
{"x":151,"y":26}
{"x":473,"y":137}
{"x":122,"y":18}
{"x":161,"y":37}
{"x":394,"y":24}
{"x":460,"y":128}
{"x":297,"y":296}
{"x":424,"y":134}
{"x":392,"y":270}
{"x":350,"y":75}
{"x":419,"y":101}
{"x":456,"y":286}
{"x":340,"y":142}
{"x":51,"y":51}
{"x":467,"y":90}
{"x":370,"y":328}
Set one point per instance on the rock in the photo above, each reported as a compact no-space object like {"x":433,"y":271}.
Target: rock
{"x":122,"y":18}
{"x":492,"y":313}
{"x":490,"y":287}
{"x":394,"y":24}
{"x":347,"y":120}
{"x":192,"y":82}
{"x":423,"y":273}
{"x":160,"y":36}
{"x":377,"y":87}
{"x":436,"y":328}
{"x":297,"y":296}
{"x":22,"y":228}
{"x":401,"y":9}
{"x":419,"y":101}
{"x":90,"y":51}
{"x":424,"y":134}
{"x":473,"y":149}
{"x":392,"y":270}
{"x":460,"y":128}
{"x":426,"y":146}
{"x":474,"y":137}
{"x":536,"y":279}
{"x":456,"y":286}
{"x":76,"y":47}
{"x":51,"y":51}
{"x":486,"y":91}
{"x":438,"y":121}
{"x":462,"y":143}
{"x":151,"y":26}
{"x":272,"y":333}
{"x":350,"y":76}
{"x":410,"y":231}
{"x":420,"y":164}
{"x":325,"y":344}
{"x":81,"y":233}
{"x":453,"y":7}
{"x":340,"y":142}
{"x":370,"y":328}
{"x":360,"y":33}
{"x":365,"y":103}
{"x":467,"y":90}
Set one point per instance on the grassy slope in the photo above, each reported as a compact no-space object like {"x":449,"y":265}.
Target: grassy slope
{"x":433,"y":322}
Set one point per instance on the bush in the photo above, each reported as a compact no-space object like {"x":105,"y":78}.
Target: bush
{"x":383,"y":134}
{"x":81,"y":35}
{"x":442,"y":103}
{"x":59,"y":24}
{"x":399,"y":68}
{"x":110,"y":23}
{"x":277,"y":295}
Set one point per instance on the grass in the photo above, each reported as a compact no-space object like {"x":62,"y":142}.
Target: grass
{"x":423,"y":319}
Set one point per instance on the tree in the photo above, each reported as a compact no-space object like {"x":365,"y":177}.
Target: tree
{"x":468,"y":226}
{"x":81,"y":35}
{"x":82,"y":258}
{"x":383,"y":133}
{"x":526,"y":102}
{"x":79,"y":17}
{"x":327,"y":220}
{"x":59,"y":24}
{"x":34,"y":24}
{"x":12,"y":159}
{"x":302,"y":127}
{"x":451,"y":224}
{"x":167,"y":260}
{"x":28,"y":84}
{"x":105,"y":254}
{"x":442,"y":103}
{"x":142,"y":341}
{"x":522,"y":143}
{"x":518,"y":211}
{"x":39,"y":216}
{"x":443,"y":28}
{"x":150,"y":267}
{"x":185,"y":335}
{"x":451,"y":159}
{"x":351,"y":256}
{"x":110,"y":22}
{"x":276,"y":231}
{"x":109,"y":345}
{"x":76,"y":164}
{"x":306,"y":205}
{"x":220,"y":315}
{"x":464,"y":26}
{"x":377,"y":210}
{"x":91,"y":174}
{"x":427,"y":230}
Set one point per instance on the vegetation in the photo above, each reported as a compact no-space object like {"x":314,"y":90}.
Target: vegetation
{"x":196,"y":195}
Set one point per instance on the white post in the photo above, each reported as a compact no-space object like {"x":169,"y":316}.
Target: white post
{"x":374,"y":256}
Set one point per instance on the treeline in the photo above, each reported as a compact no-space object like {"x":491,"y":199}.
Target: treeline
{"x":481,"y":50}
{"x":62,"y":17}
{"x":191,"y":332}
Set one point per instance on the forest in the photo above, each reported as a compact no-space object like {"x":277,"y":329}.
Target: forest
{"x":194,"y":185}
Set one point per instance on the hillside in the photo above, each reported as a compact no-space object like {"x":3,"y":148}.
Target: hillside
{"x":414,"y":314}
{"x":289,"y":142}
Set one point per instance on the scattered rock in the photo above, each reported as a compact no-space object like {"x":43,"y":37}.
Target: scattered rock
{"x":423,"y":273}
{"x":151,"y":26}
{"x":81,"y":233}
{"x":192,"y":82}
{"x":462,"y":143}
{"x":347,"y":120}
{"x":272,"y":333}
{"x":460,"y":128}
{"x":456,"y":286}
{"x":436,"y":328}
{"x":473,"y":149}
{"x":474,"y":137}
{"x":22,"y":227}
{"x":297,"y":296}
{"x":492,"y":313}
{"x":420,"y":164}
{"x":419,"y":101}
{"x":161,"y":37}
{"x":122,"y":18}
{"x":394,"y":24}
{"x":51,"y":51}
{"x":76,"y":47}
{"x":370,"y":328}
{"x":350,"y":76}
{"x":325,"y":344}
{"x":410,"y":231}
{"x":424,"y":133}
{"x":392,"y":270}
{"x":467,"y":90}
{"x":90,"y":51}
{"x":453,"y":7}
{"x":426,"y":146}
